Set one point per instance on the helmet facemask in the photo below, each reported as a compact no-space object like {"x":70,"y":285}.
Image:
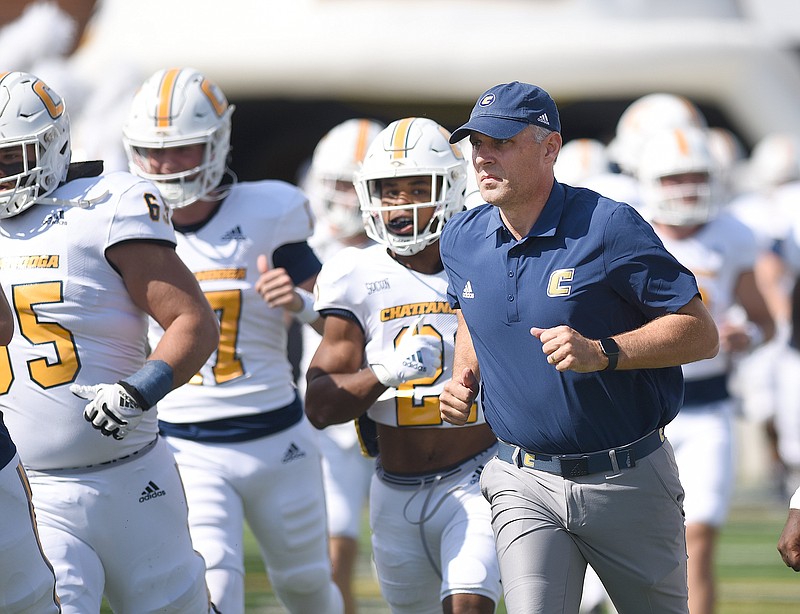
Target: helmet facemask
{"x":182,"y":188}
{"x":687,"y":202}
{"x":679,"y":178}
{"x":408,"y":244}
{"x":34,"y":142}
{"x":19,"y":184}
{"x":337,"y":204}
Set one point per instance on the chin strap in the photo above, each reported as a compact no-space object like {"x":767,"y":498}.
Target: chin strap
{"x":229,"y":179}
{"x":83,"y":203}
{"x":78,"y":170}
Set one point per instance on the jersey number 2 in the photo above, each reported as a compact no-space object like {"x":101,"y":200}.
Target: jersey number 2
{"x":410,"y":412}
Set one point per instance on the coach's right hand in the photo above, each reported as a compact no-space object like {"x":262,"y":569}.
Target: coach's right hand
{"x":458,"y":395}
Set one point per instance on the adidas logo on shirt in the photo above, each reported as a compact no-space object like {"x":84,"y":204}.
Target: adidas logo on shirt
{"x":151,"y":491}
{"x":234,"y":234}
{"x":292,"y":453}
{"x":543,"y":118}
{"x":467,"y":291}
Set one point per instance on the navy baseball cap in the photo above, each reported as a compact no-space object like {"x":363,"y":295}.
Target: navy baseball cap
{"x":504,"y":110}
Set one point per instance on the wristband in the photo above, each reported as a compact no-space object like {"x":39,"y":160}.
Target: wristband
{"x":794,"y":502}
{"x":149,"y":384}
{"x":307,"y":314}
{"x":383,"y":375}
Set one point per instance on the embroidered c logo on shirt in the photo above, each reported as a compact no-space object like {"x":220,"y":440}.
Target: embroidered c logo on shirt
{"x":557,"y":286}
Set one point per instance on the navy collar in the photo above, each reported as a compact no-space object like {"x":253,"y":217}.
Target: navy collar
{"x":547,"y":222}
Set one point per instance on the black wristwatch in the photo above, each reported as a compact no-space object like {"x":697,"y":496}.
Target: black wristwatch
{"x":611,"y":350}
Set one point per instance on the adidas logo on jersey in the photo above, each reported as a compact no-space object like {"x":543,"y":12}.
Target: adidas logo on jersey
{"x":467,"y":291}
{"x":292,"y":453}
{"x":234,"y":234}
{"x":543,"y":118}
{"x":55,"y":217}
{"x":151,"y":491}
{"x":476,"y":476}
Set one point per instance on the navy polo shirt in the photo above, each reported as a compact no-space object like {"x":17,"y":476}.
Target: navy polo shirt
{"x":7,"y":447}
{"x":590,"y":263}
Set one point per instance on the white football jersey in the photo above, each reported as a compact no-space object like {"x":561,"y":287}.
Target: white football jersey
{"x":717,"y":254}
{"x":75,"y":321}
{"x":764,"y":215}
{"x":386,"y":298}
{"x":250,"y":372}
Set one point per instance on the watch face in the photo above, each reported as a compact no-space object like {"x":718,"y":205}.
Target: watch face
{"x":611,"y":350}
{"x":609,"y":346}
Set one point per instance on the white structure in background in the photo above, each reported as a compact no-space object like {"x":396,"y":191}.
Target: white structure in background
{"x":712,"y":52}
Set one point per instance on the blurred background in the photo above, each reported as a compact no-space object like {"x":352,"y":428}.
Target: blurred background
{"x":296,"y":68}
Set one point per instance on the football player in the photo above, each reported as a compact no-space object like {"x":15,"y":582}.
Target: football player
{"x":346,"y":471}
{"x":681,"y":199}
{"x":768,"y":205}
{"x":640,"y":119}
{"x":22,"y":555}
{"x":386,"y":350}
{"x":243,"y":445}
{"x":83,"y":269}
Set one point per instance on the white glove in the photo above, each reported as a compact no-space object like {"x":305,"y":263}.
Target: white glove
{"x":111,"y":409}
{"x":415,"y":357}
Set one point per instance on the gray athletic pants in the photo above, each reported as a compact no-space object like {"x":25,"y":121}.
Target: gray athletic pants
{"x":627,"y":525}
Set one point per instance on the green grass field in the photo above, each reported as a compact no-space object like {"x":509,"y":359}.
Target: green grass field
{"x":752,"y":577}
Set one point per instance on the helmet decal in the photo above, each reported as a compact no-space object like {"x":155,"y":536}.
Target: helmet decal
{"x":165,"y":97}
{"x":53,"y":106}
{"x":362,"y":139}
{"x":215,"y":97}
{"x":400,"y":137}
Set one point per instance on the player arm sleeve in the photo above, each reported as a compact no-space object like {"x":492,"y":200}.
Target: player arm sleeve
{"x":298,"y":259}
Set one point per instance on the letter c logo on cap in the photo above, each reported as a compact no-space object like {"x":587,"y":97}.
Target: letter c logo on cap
{"x":486,"y":100}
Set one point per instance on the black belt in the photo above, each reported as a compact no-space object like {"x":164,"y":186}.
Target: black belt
{"x":576,"y":465}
